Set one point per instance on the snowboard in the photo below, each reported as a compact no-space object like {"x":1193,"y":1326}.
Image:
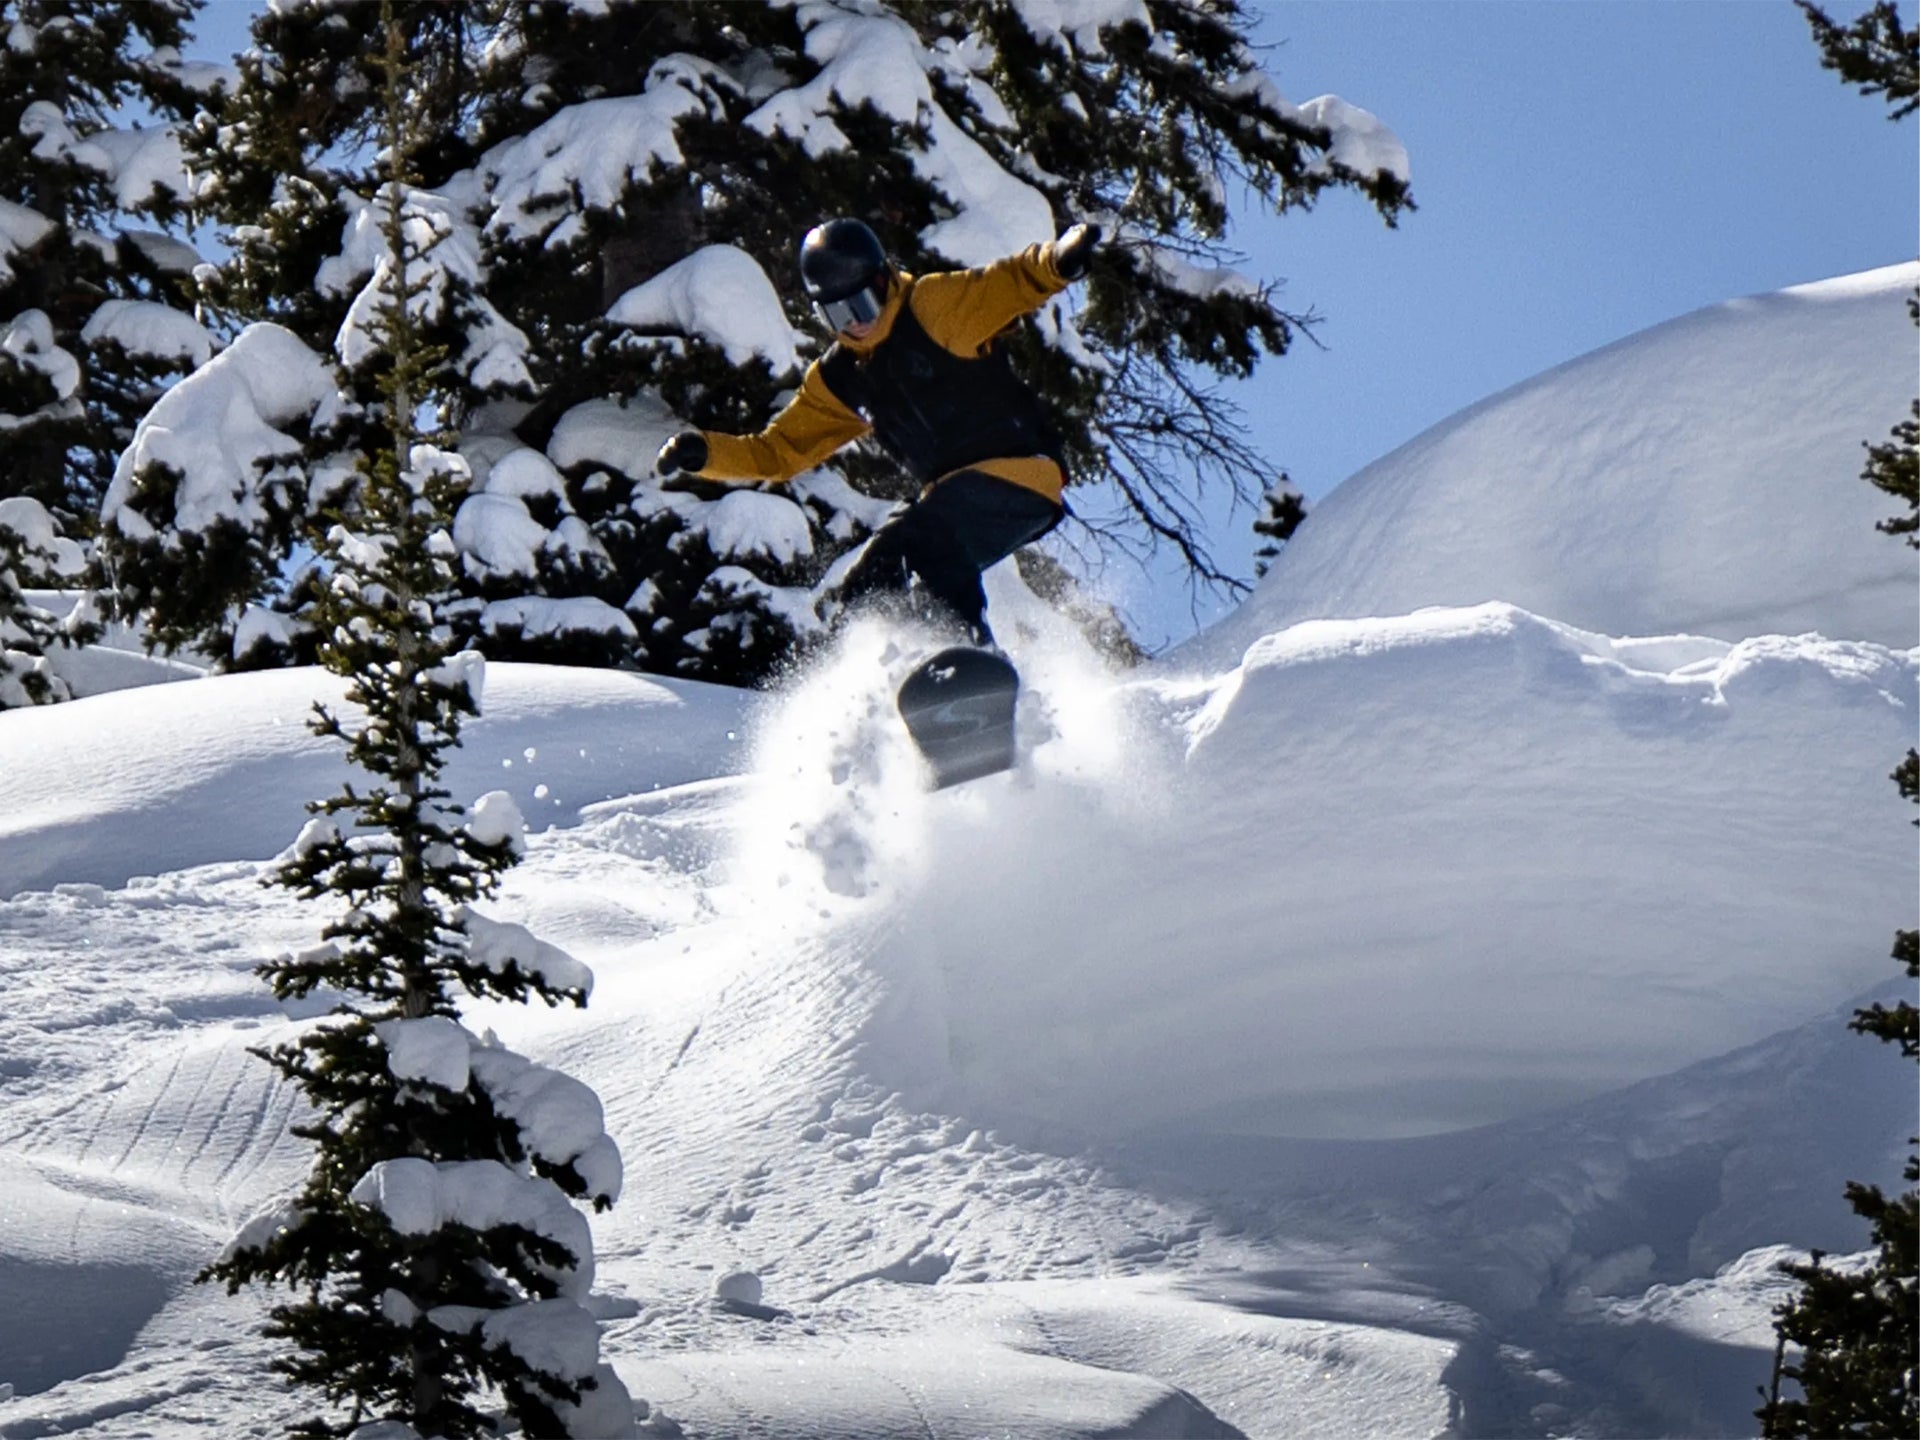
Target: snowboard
{"x":958,"y":706}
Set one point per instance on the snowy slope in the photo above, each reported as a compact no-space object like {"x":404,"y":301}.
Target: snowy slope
{"x":1701,"y":476}
{"x":1401,"y":1024}
{"x":89,"y":785}
{"x":893,"y":1106}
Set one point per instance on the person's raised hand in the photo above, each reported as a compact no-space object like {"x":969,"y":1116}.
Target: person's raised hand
{"x":684,"y":454}
{"x":1073,"y":251}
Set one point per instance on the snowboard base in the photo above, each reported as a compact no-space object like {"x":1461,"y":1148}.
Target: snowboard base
{"x":958,"y":706}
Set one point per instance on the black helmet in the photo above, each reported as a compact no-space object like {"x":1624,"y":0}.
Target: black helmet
{"x":838,"y":258}
{"x":844,"y":269}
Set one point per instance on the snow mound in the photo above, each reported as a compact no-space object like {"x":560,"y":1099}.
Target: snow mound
{"x":222,"y":768}
{"x":837,"y":804}
{"x":1394,"y":876}
{"x":1699,"y":476}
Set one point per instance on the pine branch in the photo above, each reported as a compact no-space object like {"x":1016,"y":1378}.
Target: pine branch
{"x":1876,"y":53}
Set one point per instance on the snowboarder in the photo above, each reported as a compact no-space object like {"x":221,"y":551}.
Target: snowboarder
{"x":914,"y":363}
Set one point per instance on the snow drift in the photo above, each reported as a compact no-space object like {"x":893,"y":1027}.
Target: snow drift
{"x":1382,"y":877}
{"x":222,"y":768}
{"x":1419,"y":874}
{"x":1701,"y":476}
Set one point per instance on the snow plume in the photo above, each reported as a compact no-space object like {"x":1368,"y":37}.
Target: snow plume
{"x":838,"y":803}
{"x":837,"y":807}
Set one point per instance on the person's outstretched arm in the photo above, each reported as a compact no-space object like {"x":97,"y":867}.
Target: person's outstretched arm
{"x":963,"y":309}
{"x":813,"y":426}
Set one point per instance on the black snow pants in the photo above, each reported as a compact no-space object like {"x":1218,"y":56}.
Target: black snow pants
{"x":933,"y":551}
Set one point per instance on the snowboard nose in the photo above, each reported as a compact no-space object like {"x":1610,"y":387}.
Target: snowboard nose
{"x":959,"y":706}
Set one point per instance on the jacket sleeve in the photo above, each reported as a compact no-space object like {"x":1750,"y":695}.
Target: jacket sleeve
{"x":812,"y":427}
{"x":963,"y":309}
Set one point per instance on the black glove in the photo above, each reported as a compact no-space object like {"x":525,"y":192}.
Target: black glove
{"x":1073,"y":251}
{"x":686,"y":452}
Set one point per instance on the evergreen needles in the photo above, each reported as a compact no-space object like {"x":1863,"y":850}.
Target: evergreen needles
{"x":435,"y":1258}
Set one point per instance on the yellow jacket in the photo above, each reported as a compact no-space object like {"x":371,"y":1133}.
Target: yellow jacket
{"x":961,"y":311}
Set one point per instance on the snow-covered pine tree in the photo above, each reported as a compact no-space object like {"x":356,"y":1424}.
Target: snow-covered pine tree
{"x":438,"y":1263}
{"x":636,"y":178}
{"x":93,"y":312}
{"x":1893,"y":465}
{"x":1856,"y":1328}
{"x":1282,"y":509}
{"x":201,"y":536}
{"x":33,"y":553}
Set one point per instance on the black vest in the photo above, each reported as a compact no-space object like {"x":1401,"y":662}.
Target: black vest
{"x":937,"y":412}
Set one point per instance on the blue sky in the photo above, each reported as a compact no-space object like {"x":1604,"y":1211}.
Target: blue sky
{"x":1584,"y":169}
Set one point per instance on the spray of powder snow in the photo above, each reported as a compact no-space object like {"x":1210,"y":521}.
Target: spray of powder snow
{"x":836,"y":800}
{"x":837,"y":808}
{"x":942,"y":899}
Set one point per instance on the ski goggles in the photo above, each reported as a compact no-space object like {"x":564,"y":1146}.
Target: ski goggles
{"x":862,"y":307}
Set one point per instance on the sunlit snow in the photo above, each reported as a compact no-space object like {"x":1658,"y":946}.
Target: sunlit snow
{"x":1342,"y":1025}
